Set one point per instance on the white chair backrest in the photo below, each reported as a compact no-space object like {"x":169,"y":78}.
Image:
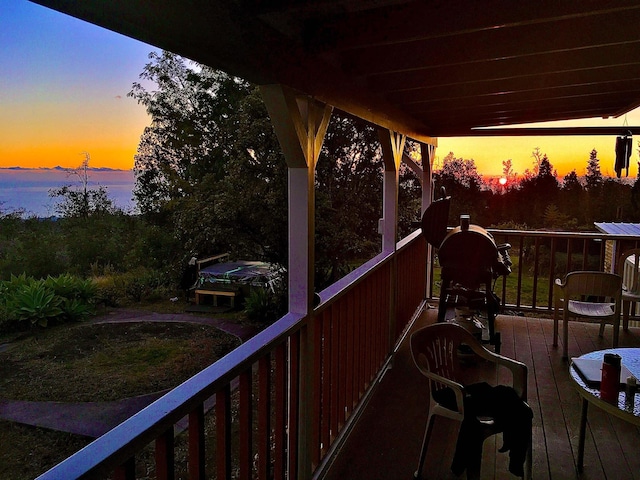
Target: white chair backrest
{"x":631,"y":271}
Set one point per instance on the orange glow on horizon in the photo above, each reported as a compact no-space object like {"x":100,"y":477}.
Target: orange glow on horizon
{"x":46,"y":136}
{"x":49,"y":134}
{"x":564,"y":153}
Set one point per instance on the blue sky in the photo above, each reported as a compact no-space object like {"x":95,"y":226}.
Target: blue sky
{"x":63,"y":90}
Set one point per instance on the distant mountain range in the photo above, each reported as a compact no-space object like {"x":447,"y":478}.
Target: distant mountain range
{"x":28,"y":189}
{"x":63,"y":169}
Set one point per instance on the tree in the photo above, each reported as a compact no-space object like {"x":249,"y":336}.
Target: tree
{"x":250,"y":201}
{"x":507,"y":172}
{"x":210,"y":171}
{"x":350,"y":167}
{"x":538,"y":157}
{"x":209,"y":168}
{"x":459,"y":172}
{"x":593,"y":177}
{"x":191,"y":128}
{"x":572,"y":197}
{"x":546,"y":180}
{"x":81,"y":201}
{"x":462,"y":181}
{"x":555,"y":219}
{"x":597,"y":202}
{"x":570,"y":182}
{"x":537,"y":192}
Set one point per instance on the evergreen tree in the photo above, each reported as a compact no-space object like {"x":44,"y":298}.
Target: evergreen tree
{"x":570,"y":182}
{"x":537,"y":192}
{"x":635,"y":195}
{"x":572,"y":197}
{"x":593,"y":176}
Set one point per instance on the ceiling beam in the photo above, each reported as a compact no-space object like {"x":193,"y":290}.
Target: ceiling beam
{"x":531,"y":42}
{"x":610,"y":59}
{"x":401,"y":22}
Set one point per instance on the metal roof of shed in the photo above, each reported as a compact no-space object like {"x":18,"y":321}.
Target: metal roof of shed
{"x":618,"y":228}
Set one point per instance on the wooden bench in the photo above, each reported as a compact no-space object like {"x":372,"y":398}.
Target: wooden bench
{"x":217,"y":293}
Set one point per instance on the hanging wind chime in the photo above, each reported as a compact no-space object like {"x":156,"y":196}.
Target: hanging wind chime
{"x":624,"y":144}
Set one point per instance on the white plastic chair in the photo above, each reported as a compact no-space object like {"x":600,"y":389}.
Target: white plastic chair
{"x":628,"y":267}
{"x":588,"y":296}
{"x":435,"y":352}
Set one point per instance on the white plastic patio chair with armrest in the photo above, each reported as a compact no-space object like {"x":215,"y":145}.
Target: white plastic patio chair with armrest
{"x":435,"y":351}
{"x":628,"y":267}
{"x":581,"y":296}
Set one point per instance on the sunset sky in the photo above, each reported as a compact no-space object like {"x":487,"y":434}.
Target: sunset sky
{"x":64,"y":85}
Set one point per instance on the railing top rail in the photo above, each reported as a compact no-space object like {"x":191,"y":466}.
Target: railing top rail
{"x":561,"y":234}
{"x":558,"y":234}
{"x":350,"y":280}
{"x":336,"y":290}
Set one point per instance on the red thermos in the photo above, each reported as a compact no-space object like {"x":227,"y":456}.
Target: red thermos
{"x":610,"y":383}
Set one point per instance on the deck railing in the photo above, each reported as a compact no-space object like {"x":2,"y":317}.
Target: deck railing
{"x":539,"y":257}
{"x":281,"y":401}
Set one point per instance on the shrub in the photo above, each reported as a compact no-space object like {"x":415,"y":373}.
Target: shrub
{"x":134,"y":286}
{"x":35,"y":304}
{"x":8,"y":289}
{"x":76,"y":310}
{"x":24,"y":299}
{"x":107,"y":291}
{"x":13,"y":285}
{"x":71,"y":287}
{"x":264,"y":305}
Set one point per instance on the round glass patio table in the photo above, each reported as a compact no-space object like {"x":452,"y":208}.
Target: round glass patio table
{"x":622,"y":409}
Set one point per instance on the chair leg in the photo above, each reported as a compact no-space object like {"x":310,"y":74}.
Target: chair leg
{"x":601,"y":331}
{"x":442,"y":303}
{"x":528,"y":462}
{"x":555,"y":326}
{"x":565,"y":334}
{"x":626,"y":309}
{"x":425,"y":443}
{"x":616,"y":330}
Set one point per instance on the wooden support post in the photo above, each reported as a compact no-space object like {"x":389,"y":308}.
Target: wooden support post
{"x":392,"y":150}
{"x":428,"y":154}
{"x":300,"y":123}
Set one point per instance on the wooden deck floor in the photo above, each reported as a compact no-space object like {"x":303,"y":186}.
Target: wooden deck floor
{"x":385,"y":442}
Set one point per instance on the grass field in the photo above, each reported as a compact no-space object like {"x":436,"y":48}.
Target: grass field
{"x":511,"y":291}
{"x":86,"y":362}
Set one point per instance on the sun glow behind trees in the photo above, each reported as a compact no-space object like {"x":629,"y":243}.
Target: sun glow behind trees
{"x":566,"y":153}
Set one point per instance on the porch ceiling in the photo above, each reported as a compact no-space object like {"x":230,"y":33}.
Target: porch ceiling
{"x":424,"y":68}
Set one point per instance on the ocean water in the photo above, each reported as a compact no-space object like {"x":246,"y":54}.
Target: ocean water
{"x":28,"y":189}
